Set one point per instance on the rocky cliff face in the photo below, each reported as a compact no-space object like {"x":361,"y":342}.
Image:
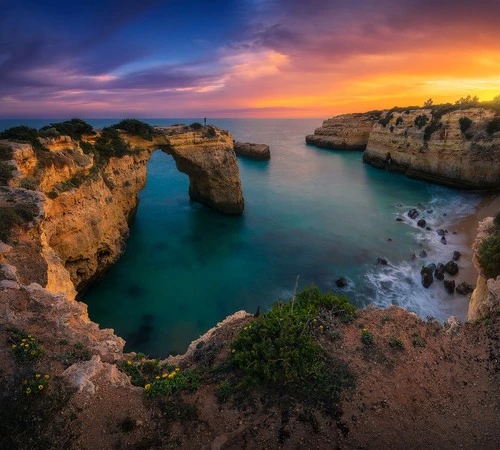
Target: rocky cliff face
{"x":344,"y":132}
{"x":485,"y":300}
{"x":454,"y":149}
{"x":87,"y":204}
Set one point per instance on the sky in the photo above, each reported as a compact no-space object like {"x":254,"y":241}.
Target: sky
{"x":242,"y":58}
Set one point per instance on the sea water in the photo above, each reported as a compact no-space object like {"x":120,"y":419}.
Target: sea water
{"x":310,"y":213}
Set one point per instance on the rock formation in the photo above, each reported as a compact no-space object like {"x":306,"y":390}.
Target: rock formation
{"x":260,"y":152}
{"x":436,"y":149}
{"x":485,"y":298}
{"x":344,"y":132}
{"x":87,"y":204}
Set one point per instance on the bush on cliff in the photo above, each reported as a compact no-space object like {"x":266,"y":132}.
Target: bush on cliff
{"x":281,"y":348}
{"x":465,"y":124}
{"x":11,"y":217}
{"x":74,"y":128}
{"x":134,"y":126}
{"x":388,"y":117}
{"x":493,"y":126}
{"x":110,"y":144}
{"x":421,"y":120}
{"x":23,"y":134}
{"x":6,"y":172}
{"x":431,"y":128}
{"x":196,"y":126}
{"x":489,"y":256}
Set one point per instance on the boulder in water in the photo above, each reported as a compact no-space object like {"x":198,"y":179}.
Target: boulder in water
{"x":259,"y":152}
{"x":451,"y":268}
{"x":341,"y":282}
{"x":449,"y":285}
{"x":464,"y":288}
{"x":382,"y":261}
{"x":413,"y":213}
{"x":443,"y":240}
{"x":456,"y":255}
{"x":440,"y":232}
{"x":439,"y":272}
{"x":422,"y":254}
{"x":422,"y":223}
{"x":398,"y":219}
{"x":427,"y":277}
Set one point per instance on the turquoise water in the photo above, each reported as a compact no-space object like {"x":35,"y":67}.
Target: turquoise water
{"x":313,"y":213}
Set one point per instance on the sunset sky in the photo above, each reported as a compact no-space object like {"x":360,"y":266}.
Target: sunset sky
{"x":242,"y":58}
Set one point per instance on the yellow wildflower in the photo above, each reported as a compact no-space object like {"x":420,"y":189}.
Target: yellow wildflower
{"x":46,"y":377}
{"x":157,"y":378}
{"x":177,"y":369}
{"x":321,"y":327}
{"x":37,"y":375}
{"x":14,"y":346}
{"x":246,"y":328}
{"x":40,"y":386}
{"x":234,"y":351}
{"x":32,"y":352}
{"x":129,"y":362}
{"x":172,"y":375}
{"x":365,"y":329}
{"x":28,"y":390}
{"x":165,"y":375}
{"x":23,"y":340}
{"x":147,"y":386}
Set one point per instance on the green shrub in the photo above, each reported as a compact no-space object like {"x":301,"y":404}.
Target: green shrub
{"x":29,"y":183}
{"x":111,"y":144}
{"x":465,"y":124}
{"x":367,"y":338}
{"x":493,"y":126}
{"x":12,"y":216}
{"x":23,"y":134}
{"x":25,"y":347}
{"x":134,"y":126}
{"x":279,"y":346}
{"x":421,"y":120}
{"x":6,"y":172}
{"x":172,"y":383}
{"x":74,"y":128}
{"x":467,"y":102}
{"x":196,"y":126}
{"x":36,"y":385}
{"x":384,"y":121}
{"x":431,"y":128}
{"x":5,"y":152}
{"x":396,"y":343}
{"x":489,"y":256}
{"x":86,"y":147}
{"x":399,"y":121}
{"x":211,"y":133}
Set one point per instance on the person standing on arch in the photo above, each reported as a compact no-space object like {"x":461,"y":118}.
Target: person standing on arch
{"x":205,"y":120}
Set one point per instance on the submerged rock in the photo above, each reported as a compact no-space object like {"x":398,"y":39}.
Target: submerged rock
{"x":382,"y":261}
{"x":398,"y":219}
{"x":443,"y":241}
{"x":440,"y":232}
{"x":456,"y":255}
{"x":449,"y":285}
{"x":258,"y":152}
{"x":413,"y":213}
{"x":422,"y":254}
{"x":422,"y":223}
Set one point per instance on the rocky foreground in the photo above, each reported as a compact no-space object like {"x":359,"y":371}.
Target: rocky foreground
{"x":454,"y":147}
{"x":405,"y":382}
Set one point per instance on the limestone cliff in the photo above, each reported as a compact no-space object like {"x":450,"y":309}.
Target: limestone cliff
{"x":88,"y":201}
{"x":454,"y":149}
{"x":344,"y":132}
{"x":259,"y":152}
{"x":485,"y":300}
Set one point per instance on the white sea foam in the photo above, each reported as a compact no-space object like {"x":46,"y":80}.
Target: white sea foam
{"x":400,"y":283}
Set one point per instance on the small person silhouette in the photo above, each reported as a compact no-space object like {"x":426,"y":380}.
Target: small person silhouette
{"x":205,"y":120}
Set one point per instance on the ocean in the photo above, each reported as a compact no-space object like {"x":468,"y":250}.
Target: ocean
{"x":313,"y":213}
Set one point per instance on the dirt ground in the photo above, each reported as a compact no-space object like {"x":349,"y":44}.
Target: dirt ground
{"x":434,"y":387}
